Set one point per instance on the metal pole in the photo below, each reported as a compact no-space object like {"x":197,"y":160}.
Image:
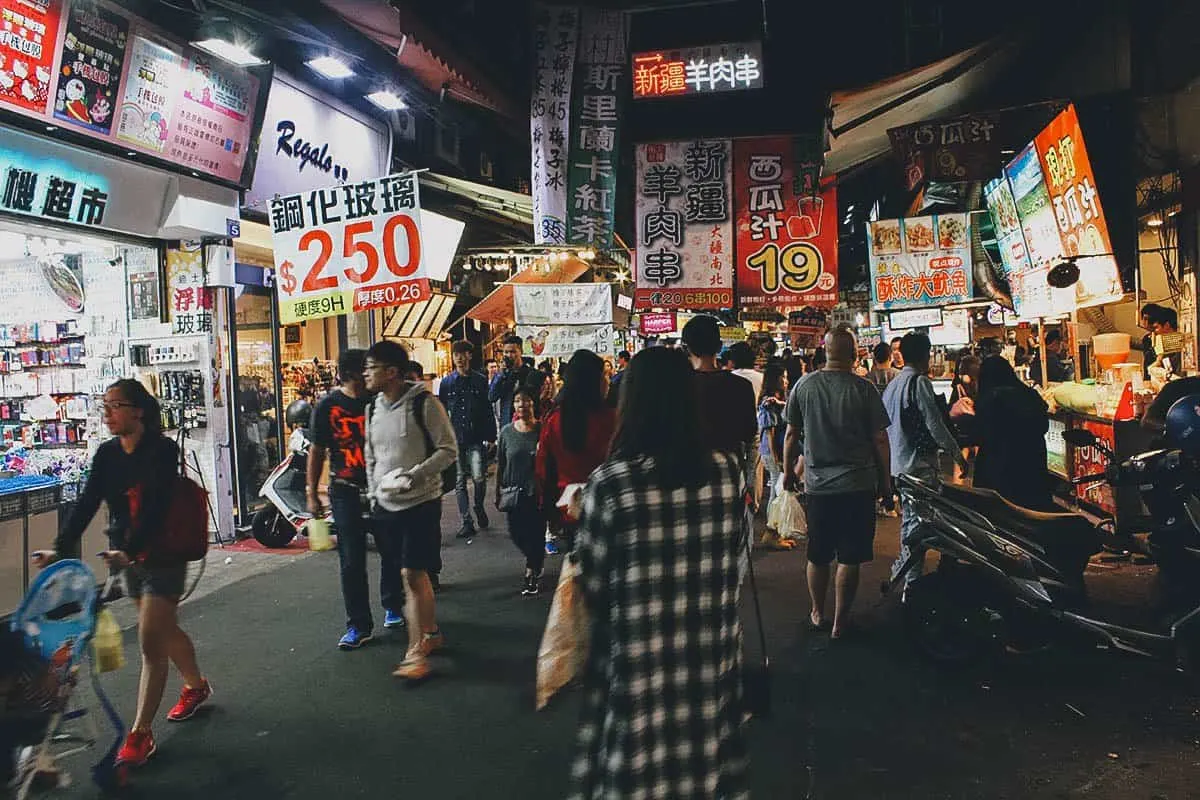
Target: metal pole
{"x":1042,"y":349}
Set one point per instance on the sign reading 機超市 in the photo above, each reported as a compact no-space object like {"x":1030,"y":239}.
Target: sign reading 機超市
{"x":555,"y":35}
{"x":684,"y":225}
{"x":786,"y":242}
{"x":711,"y":68}
{"x":920,"y":261}
{"x":50,"y":189}
{"x":348,"y":248}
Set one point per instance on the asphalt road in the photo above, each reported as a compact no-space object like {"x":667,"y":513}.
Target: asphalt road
{"x":295,"y":718}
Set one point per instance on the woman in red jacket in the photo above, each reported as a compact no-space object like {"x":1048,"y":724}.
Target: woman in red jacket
{"x":576,"y":435}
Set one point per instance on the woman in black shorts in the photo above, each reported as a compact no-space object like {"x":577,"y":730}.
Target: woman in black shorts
{"x":139,"y":455}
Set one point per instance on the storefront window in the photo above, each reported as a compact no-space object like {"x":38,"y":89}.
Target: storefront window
{"x":256,"y":409}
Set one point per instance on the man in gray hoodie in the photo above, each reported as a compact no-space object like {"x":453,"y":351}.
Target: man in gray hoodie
{"x":409,"y":442}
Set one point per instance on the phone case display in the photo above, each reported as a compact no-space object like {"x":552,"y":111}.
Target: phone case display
{"x":310,"y":379}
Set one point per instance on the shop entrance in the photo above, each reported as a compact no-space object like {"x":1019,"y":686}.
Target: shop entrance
{"x":256,"y":394}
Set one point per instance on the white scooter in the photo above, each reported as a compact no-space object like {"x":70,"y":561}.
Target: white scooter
{"x":284,"y":489}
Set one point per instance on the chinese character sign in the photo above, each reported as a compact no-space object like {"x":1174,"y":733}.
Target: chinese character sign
{"x":684,"y":225}
{"x":562,"y":303}
{"x":1032,"y":295}
{"x":93,"y":56}
{"x":555,"y":36}
{"x":1071,"y":186}
{"x":698,"y":70}
{"x":949,"y":150}
{"x":28,"y":32}
{"x":657,"y":324}
{"x":920,"y":261}
{"x":786,"y":242}
{"x":189,"y":301}
{"x":148,"y":109}
{"x":51,"y":189}
{"x":561,"y":341}
{"x":594,"y":152}
{"x":353,"y":247}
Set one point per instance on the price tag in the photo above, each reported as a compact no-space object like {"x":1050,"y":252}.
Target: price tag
{"x":349,"y":248}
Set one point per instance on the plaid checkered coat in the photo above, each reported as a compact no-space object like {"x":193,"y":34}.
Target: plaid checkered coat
{"x":662,"y":711}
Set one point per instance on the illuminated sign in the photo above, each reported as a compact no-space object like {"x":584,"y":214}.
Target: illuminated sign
{"x":698,"y":70}
{"x":51,"y":189}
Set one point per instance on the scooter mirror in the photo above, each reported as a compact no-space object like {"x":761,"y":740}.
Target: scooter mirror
{"x":1080,"y":437}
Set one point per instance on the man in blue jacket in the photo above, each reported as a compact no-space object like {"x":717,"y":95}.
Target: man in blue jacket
{"x":464,"y":393}
{"x":514,"y":374}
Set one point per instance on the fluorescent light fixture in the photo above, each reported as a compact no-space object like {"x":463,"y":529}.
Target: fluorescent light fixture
{"x":388,"y":101}
{"x":332,"y":68}
{"x":1155,"y":222}
{"x":237,"y":54}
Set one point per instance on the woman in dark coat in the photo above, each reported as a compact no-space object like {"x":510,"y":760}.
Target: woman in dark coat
{"x":1011,"y":420}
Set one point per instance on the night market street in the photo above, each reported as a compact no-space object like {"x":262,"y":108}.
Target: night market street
{"x":295,"y":718}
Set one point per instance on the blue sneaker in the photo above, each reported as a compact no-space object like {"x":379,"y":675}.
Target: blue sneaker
{"x":353,"y":639}
{"x":393,"y":620}
{"x":551,"y":548}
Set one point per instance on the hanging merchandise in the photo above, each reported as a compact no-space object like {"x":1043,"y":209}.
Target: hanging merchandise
{"x":787,"y":242}
{"x":684,"y":225}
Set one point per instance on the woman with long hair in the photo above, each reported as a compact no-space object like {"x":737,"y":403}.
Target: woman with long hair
{"x":964,"y":391}
{"x":575,"y":435}
{"x":771,"y":428}
{"x":1012,"y":420}
{"x":516,"y":455}
{"x":139,"y":457}
{"x":658,"y":548}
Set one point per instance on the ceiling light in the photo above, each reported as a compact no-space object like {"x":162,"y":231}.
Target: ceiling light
{"x":388,"y":101}
{"x":237,"y":54}
{"x":333,"y":68}
{"x":1155,"y":222}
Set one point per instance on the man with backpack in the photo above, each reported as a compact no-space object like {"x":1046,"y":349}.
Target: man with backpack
{"x":919,"y":429}
{"x":409,"y":444}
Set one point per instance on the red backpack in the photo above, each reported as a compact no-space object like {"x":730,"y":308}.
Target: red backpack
{"x":184,"y":535}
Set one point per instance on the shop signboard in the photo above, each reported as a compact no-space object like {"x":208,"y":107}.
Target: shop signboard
{"x":1091,"y":461}
{"x":555,"y":34}
{"x":349,"y":248}
{"x":656,"y":323}
{"x":916,"y":318}
{"x":920,"y":261}
{"x":101,"y":71}
{"x":562,"y":303}
{"x":947,"y":150}
{"x":1071,"y":186}
{"x":594,"y":152}
{"x":728,"y":67}
{"x":190,"y":302}
{"x":733,"y":333}
{"x":310,"y":141}
{"x":28,"y":42}
{"x":50,"y":188}
{"x":684,"y":225}
{"x":1014,"y":255}
{"x":1032,"y":295}
{"x":561,"y":341}
{"x":787,"y":242}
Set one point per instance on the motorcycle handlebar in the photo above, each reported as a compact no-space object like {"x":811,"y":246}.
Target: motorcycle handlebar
{"x":1095,"y":478}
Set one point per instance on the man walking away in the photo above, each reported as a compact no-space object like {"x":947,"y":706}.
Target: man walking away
{"x":464,"y":393}
{"x":515,"y":373}
{"x":918,"y":430}
{"x":742,"y":356}
{"x":882,"y":373}
{"x":338,"y":424}
{"x":837,"y":419}
{"x":409,"y":442}
{"x":728,"y":415}
{"x":614,"y":385}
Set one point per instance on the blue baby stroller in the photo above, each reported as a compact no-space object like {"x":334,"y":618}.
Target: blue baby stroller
{"x":57,"y":620}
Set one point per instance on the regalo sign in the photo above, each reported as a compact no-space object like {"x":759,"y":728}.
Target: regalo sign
{"x":349,"y":248}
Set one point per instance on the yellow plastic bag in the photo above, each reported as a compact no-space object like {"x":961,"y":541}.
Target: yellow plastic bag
{"x":564,"y":647}
{"x":319,"y":539}
{"x":108,"y":650}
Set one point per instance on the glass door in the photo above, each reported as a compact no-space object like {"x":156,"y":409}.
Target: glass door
{"x":256,"y":388}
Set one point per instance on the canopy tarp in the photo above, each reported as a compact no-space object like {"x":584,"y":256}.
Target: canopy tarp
{"x":497,"y":307}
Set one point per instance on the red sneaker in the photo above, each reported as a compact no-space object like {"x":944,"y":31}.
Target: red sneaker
{"x":189,"y":700}
{"x":138,"y":747}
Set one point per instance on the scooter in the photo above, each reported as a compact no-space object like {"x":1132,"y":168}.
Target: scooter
{"x":1012,"y":578}
{"x":284,"y":489}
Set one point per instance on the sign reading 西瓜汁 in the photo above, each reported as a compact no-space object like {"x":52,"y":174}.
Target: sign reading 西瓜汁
{"x":562,"y":303}
{"x":787,"y":242}
{"x":561,"y":341}
{"x":698,"y":70}
{"x":555,"y":35}
{"x":684,"y":225}
{"x":920,"y":261}
{"x":348,"y":248}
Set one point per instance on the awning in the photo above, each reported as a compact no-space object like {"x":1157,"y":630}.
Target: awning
{"x":861,"y":117}
{"x":512,"y":207}
{"x":423,"y":320}
{"x":497,"y":307}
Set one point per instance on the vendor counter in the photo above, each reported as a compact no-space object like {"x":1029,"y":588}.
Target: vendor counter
{"x":1066,"y":462}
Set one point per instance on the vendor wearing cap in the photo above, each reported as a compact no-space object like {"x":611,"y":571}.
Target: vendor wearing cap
{"x":1059,"y":368}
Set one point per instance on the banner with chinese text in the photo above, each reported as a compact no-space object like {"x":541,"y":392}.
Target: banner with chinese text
{"x":555,"y":34}
{"x":561,"y":341}
{"x":348,"y":248}
{"x":787,"y":244}
{"x":600,"y":70}
{"x":1071,"y":186}
{"x":920,"y":261}
{"x":190,"y":307}
{"x":27,"y":53}
{"x":562,"y":303}
{"x":684,"y":225}
{"x":948,"y":150}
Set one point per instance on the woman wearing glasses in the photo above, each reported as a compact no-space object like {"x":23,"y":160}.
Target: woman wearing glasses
{"x":139,"y":455}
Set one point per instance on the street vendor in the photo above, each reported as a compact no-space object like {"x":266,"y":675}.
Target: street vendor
{"x":1059,"y":368}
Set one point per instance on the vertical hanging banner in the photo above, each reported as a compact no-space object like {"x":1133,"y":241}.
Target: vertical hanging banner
{"x":555,"y":37}
{"x":348,"y":248}
{"x":594,"y":128}
{"x":787,"y":243}
{"x":684,"y":225}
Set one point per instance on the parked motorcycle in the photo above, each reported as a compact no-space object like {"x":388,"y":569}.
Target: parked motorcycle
{"x":1013,"y":578}
{"x":285,"y":488}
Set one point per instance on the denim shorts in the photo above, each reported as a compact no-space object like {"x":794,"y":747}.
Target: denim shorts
{"x":158,"y":581}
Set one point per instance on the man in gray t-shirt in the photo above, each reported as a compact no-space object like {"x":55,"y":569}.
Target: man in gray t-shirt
{"x":837,"y":422}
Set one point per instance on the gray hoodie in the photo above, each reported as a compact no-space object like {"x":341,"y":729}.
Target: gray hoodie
{"x":396,"y":450}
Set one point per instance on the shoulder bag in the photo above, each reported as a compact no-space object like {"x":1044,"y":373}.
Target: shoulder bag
{"x":450,"y":473}
{"x":184,"y":534}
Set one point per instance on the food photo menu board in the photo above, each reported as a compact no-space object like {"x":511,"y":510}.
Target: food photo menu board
{"x":920,"y":261}
{"x":101,"y":71}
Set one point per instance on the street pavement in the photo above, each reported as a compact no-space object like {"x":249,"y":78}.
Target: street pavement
{"x":295,"y":718}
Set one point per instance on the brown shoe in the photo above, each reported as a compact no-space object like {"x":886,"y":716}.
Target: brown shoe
{"x":432,"y":642}
{"x":412,"y":669}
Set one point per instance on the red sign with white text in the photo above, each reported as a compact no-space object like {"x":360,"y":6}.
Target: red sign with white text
{"x":787,"y":244}
{"x":28,"y":47}
{"x":655,"y":324}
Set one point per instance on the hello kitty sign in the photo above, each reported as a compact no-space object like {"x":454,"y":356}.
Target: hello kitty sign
{"x":28,"y":33}
{"x":93,"y":53}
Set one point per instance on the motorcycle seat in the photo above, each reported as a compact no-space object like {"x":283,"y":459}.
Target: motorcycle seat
{"x":1067,"y":539}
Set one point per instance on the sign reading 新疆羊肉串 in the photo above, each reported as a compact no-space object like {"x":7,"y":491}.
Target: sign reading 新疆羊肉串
{"x":727,"y":67}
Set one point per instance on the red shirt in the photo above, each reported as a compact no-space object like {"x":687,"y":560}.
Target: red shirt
{"x":557,"y":466}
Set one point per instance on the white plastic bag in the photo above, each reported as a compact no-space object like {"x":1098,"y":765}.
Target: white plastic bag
{"x":785,"y":514}
{"x":564,"y":647}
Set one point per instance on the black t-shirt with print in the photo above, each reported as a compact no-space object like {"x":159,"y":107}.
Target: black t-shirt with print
{"x":339,"y":425}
